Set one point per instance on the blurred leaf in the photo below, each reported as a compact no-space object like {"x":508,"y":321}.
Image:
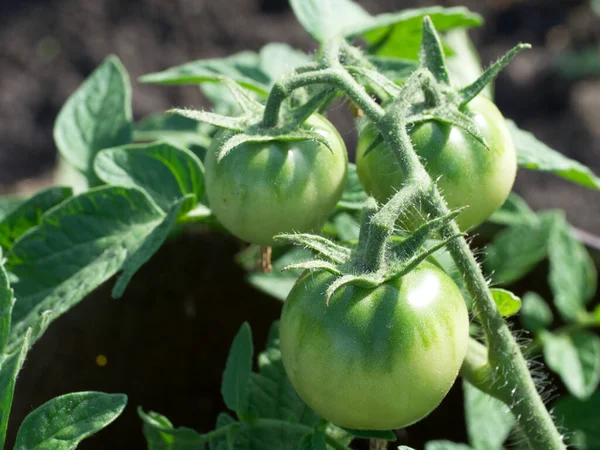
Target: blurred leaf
{"x":573,"y":275}
{"x":574,"y":65}
{"x":174,"y":129}
{"x":236,"y":378}
{"x":346,"y":226}
{"x":576,"y":358}
{"x":29,"y":213}
{"x":518,"y":249}
{"x":241,"y":67}
{"x":76,"y":247}
{"x":581,"y":418}
{"x":534,"y":154}
{"x":272,"y":394}
{"x":489,"y":421}
{"x":278,"y":283}
{"x":63,"y":422}
{"x":313,"y":441}
{"x":354,"y":195}
{"x":277,"y":59}
{"x":165,"y":172}
{"x":445,"y":445}
{"x":8,"y":203}
{"x":513,"y":212}
{"x":508,"y":303}
{"x":10,"y":365}
{"x":399,"y":34}
{"x":324,"y":19}
{"x":386,"y":435}
{"x":396,"y":69}
{"x":161,"y":435}
{"x":464,"y":65}
{"x":536,"y":315}
{"x":7,"y":302}
{"x":97,"y":116}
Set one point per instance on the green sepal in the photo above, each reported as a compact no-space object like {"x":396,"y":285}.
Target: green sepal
{"x":431,"y":54}
{"x":218,"y":120}
{"x":468,"y":93}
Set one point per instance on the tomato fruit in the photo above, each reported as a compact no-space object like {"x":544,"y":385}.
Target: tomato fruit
{"x":262,"y":189}
{"x":467,"y":172}
{"x":374,"y":359}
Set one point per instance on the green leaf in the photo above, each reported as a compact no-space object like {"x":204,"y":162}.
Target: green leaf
{"x":536,"y":315}
{"x":313,"y":441}
{"x":445,"y":445}
{"x":97,"y":116}
{"x":278,"y":283}
{"x":346,"y":226}
{"x":324,"y":19}
{"x":220,"y":443}
{"x":8,"y":203}
{"x":236,"y":378}
{"x":513,"y":212}
{"x":76,"y":247}
{"x":272,"y":395}
{"x":508,"y":303}
{"x":177,"y":130}
{"x":276,"y":59}
{"x":9,"y":369}
{"x":580,"y":418}
{"x":28,"y":214}
{"x":63,"y":422}
{"x":161,"y":435}
{"x":534,"y":154}
{"x":399,"y":34}
{"x":7,"y":301}
{"x":165,"y":172}
{"x":489,"y":421}
{"x":386,"y":435}
{"x":465,"y":64}
{"x":149,"y":247}
{"x":354,"y":195}
{"x":396,"y":69}
{"x":518,"y":249}
{"x":573,"y":275}
{"x":576,"y":358}
{"x":243,"y":67}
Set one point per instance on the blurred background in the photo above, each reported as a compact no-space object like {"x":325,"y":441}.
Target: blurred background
{"x":170,"y":359}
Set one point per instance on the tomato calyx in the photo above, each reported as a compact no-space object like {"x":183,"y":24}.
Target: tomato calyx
{"x":351,"y":266}
{"x":249,"y":127}
{"x":435,"y":99}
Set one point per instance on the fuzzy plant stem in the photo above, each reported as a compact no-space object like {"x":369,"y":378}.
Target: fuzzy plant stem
{"x":511,"y":380}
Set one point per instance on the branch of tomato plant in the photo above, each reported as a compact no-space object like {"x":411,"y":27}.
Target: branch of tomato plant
{"x":504,"y":373}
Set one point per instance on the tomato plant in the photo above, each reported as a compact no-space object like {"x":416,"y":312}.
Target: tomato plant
{"x":467,"y":172}
{"x":374,"y":330}
{"x":260,"y":189}
{"x":375,"y":359}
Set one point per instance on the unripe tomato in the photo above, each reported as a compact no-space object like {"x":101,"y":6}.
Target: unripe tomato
{"x":467,"y":172}
{"x":259,"y":190}
{"x":375,"y":359}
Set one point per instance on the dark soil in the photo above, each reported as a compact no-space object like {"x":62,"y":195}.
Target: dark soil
{"x":166,"y":340}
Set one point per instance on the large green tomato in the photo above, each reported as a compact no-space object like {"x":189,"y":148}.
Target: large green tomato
{"x":262,"y":189}
{"x":466,"y":172}
{"x":375,"y":359}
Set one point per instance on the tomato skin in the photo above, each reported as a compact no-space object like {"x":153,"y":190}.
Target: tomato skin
{"x":466,"y":172}
{"x":376,"y":359}
{"x":262,"y":189}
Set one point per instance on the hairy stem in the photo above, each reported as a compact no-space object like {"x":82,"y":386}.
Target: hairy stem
{"x":509,"y":374}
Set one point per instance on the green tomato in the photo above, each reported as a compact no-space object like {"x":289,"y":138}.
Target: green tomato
{"x":467,"y":173}
{"x":259,"y":190}
{"x":375,"y":359}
